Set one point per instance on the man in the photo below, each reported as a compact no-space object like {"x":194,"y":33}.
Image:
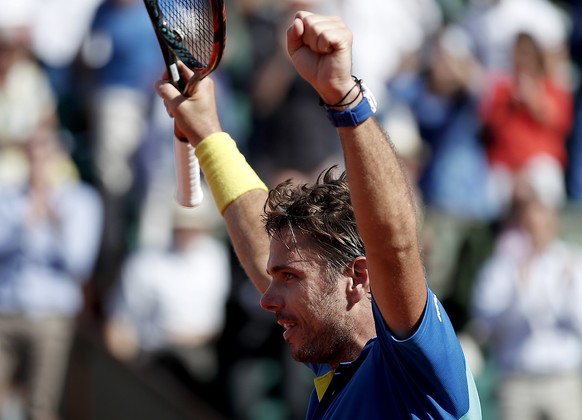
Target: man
{"x":378,"y":340}
{"x":526,"y":299}
{"x":50,"y":232}
{"x":152,"y":320}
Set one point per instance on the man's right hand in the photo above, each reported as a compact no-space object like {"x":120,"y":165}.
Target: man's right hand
{"x":196,"y":116}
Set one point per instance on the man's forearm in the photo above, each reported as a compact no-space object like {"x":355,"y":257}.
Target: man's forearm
{"x":248,"y":236}
{"x":386,"y":217}
{"x":376,"y":177}
{"x":240,"y":196}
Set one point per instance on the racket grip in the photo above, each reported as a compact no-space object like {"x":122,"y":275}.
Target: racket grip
{"x":188,"y":191}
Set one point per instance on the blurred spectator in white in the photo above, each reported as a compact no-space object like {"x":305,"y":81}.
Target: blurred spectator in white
{"x":49,"y":236}
{"x":58,"y":31}
{"x":27,"y":103}
{"x":60,"y":28}
{"x":526,"y":115}
{"x":495,"y":24}
{"x":526,"y":306}
{"x":123,"y":60}
{"x":172,"y":301}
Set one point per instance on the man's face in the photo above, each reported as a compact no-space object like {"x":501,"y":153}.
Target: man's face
{"x":307,"y":304}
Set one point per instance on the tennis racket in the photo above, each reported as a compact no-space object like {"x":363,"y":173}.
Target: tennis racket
{"x":194,"y":32}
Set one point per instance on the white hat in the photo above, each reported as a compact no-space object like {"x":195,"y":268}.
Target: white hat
{"x":16,"y":20}
{"x":545,"y":177}
{"x":16,"y":13}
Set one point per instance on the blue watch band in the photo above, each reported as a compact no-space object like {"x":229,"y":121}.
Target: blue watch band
{"x":354,"y":116}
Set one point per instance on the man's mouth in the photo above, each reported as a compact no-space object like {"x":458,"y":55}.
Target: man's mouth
{"x":288,"y":326}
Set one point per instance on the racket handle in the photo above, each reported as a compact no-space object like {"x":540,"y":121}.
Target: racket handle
{"x":188,"y":191}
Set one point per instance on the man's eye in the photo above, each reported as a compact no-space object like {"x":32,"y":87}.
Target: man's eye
{"x":289,"y":276}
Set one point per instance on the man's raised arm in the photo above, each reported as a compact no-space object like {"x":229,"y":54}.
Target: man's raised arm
{"x":237,"y":190}
{"x":320,"y":48}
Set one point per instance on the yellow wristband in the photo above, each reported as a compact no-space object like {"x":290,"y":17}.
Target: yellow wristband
{"x":226,"y":170}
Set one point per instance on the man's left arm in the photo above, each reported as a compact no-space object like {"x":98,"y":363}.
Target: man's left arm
{"x":386,"y":218}
{"x":320,"y":48}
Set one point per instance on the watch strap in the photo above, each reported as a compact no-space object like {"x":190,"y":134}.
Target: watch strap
{"x":354,"y":116}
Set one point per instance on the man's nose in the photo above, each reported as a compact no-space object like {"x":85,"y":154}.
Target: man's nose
{"x":271,"y":299}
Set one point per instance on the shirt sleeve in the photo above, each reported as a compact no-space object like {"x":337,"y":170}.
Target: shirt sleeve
{"x":432,"y":357}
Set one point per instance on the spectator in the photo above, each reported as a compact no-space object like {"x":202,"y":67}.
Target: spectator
{"x":454,"y":179}
{"x":123,"y":60}
{"x":59,"y":28}
{"x":171,"y":303}
{"x":124,"y":56}
{"x":526,"y":306}
{"x":290,"y":136}
{"x":49,"y":237}
{"x":27,"y":101}
{"x":494,"y":25}
{"x":400,"y":27}
{"x":526,"y":114}
{"x":443,"y":98}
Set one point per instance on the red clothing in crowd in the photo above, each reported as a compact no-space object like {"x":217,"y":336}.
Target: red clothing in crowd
{"x":514,"y":134}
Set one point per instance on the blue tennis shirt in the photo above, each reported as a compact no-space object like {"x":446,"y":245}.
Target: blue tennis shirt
{"x":423,"y":377}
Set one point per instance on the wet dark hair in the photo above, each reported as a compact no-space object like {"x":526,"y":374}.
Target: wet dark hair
{"x":323,"y":211}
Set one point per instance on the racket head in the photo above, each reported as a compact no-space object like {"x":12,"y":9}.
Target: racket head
{"x":194,"y":31}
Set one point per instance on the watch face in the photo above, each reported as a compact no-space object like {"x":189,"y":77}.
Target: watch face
{"x":370,"y":96}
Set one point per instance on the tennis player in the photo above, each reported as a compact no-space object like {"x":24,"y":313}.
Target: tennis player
{"x":338,"y":263}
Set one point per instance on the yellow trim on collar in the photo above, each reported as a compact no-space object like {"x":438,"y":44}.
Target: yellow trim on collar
{"x":322,"y":383}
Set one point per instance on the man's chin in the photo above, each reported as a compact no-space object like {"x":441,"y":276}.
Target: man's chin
{"x":298,"y":354}
{"x":302,"y":355}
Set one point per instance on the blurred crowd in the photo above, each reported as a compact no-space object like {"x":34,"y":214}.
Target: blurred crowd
{"x":482,"y":99}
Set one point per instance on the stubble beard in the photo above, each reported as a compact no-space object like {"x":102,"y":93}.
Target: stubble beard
{"x":331,"y":343}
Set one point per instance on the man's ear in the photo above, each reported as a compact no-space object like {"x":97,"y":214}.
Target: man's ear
{"x":358,"y":285}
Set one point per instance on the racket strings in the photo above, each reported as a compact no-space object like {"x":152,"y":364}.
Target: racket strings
{"x":188,"y":27}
